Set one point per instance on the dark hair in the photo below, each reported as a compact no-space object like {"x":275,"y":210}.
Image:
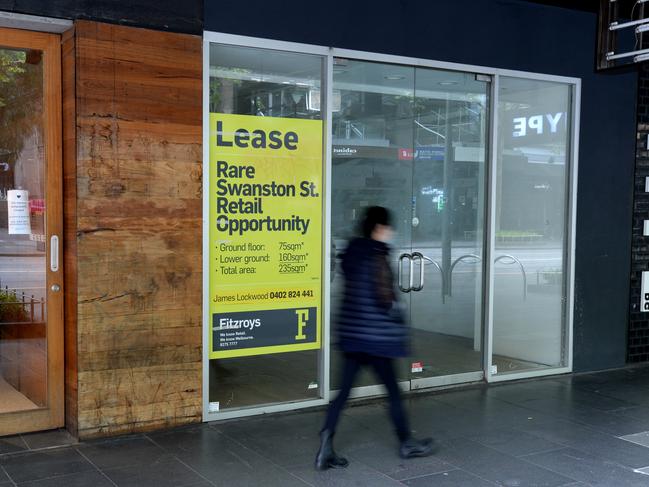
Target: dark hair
{"x":374,"y":215}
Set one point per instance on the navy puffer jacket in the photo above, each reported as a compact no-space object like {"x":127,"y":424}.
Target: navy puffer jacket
{"x":370,"y":319}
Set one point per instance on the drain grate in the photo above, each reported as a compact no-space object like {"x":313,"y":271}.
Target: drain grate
{"x":641,"y":439}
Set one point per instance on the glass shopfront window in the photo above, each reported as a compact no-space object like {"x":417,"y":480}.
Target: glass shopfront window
{"x":265,"y":235}
{"x":475,"y":165}
{"x":532,"y":173}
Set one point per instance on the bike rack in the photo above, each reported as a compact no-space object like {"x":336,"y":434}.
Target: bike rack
{"x":514,"y":260}
{"x":509,"y":260}
{"x":441,"y":273}
{"x":476,"y":258}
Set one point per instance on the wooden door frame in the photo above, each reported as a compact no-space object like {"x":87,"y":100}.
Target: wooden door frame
{"x":51,"y":416}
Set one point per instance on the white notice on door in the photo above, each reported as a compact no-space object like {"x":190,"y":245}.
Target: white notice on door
{"x":18,"y":212}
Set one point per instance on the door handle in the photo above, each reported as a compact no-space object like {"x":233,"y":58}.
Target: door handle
{"x":54,"y":253}
{"x":402,"y":259}
{"x":418,"y":256}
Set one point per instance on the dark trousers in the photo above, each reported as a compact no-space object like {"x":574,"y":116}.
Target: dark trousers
{"x":384,"y":369}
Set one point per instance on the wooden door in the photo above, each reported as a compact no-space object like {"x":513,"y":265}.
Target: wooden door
{"x":31,"y":229}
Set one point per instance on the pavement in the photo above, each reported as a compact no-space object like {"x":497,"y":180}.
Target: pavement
{"x":574,"y":430}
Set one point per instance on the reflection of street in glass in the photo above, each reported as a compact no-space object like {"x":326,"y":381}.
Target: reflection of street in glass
{"x":22,"y":274}
{"x":23,"y":343}
{"x":19,"y":244}
{"x":24,"y":277}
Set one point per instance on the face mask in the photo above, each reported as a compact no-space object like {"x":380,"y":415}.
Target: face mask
{"x":383,"y":233}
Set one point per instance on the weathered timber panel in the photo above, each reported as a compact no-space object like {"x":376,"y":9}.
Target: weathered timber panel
{"x":139,"y":200}
{"x":68,"y":75}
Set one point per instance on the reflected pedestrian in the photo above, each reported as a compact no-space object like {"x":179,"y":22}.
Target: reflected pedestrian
{"x":371,"y":332}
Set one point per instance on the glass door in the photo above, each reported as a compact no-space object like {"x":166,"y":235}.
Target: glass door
{"x":448,"y":211}
{"x":372,"y":164}
{"x":413,"y":140}
{"x":31,"y":277}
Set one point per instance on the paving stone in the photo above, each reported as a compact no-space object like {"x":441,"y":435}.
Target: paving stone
{"x":81,"y":479}
{"x":4,"y":478}
{"x":641,"y":439}
{"x":588,"y":468}
{"x":12,"y":444}
{"x":235,"y":464}
{"x":383,"y":457}
{"x":455,"y":478}
{"x":26,"y":467}
{"x":515,"y":442}
{"x":355,"y":475}
{"x":166,"y":471}
{"x":121,"y":452}
{"x":593,"y":442}
{"x":48,"y":439}
{"x":497,"y":467}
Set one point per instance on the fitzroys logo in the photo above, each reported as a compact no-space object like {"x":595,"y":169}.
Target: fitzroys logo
{"x":230,"y":324}
{"x":302,"y":321}
{"x":258,"y":332}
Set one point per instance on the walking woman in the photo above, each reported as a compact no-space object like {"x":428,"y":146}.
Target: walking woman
{"x":371,"y":332}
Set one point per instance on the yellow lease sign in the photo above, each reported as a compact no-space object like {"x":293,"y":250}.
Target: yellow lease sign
{"x":265,"y":236}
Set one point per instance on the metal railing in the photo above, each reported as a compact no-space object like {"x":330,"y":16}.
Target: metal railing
{"x":20,"y":308}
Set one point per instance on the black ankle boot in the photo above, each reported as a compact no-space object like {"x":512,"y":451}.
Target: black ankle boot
{"x":326,"y":457}
{"x":412,"y":448}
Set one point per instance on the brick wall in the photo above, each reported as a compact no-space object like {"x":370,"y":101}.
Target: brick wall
{"x":638,"y":336}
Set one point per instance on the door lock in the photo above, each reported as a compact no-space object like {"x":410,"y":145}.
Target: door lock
{"x":55,"y":288}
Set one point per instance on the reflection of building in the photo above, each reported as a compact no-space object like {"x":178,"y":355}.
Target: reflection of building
{"x":534,"y":200}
